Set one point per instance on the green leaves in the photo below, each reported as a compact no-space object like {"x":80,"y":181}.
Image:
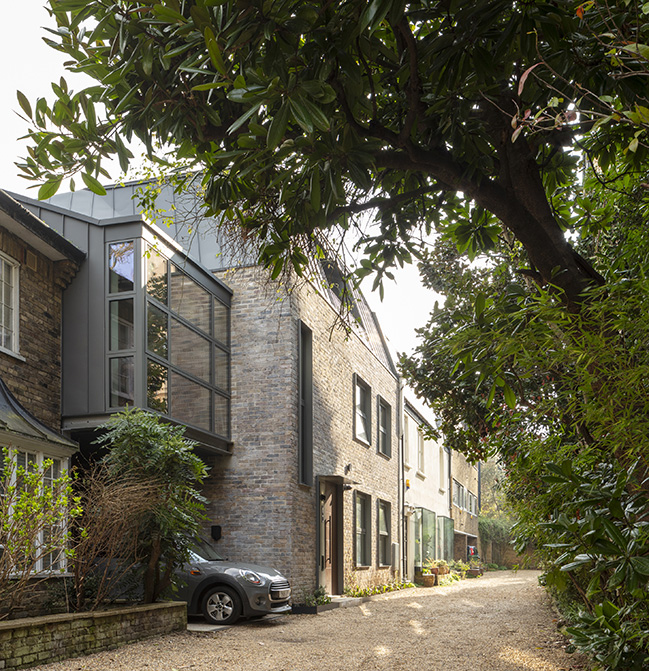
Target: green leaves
{"x":143,"y":448}
{"x":374,"y":14}
{"x":278,"y":126}
{"x":215,"y":52}
{"x":93,"y":184}
{"x":24,"y":104}
{"x":49,"y":189}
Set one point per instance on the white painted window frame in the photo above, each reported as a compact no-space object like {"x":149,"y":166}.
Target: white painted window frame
{"x":40,"y":457}
{"x":15,"y":306}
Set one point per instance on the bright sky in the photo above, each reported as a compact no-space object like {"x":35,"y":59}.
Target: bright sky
{"x":30,"y":66}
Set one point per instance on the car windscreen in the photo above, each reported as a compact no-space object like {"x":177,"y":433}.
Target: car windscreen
{"x":203,"y":551}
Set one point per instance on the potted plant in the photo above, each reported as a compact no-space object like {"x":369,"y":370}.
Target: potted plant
{"x":475,"y":569}
{"x":428,"y":575}
{"x":441,"y":565}
{"x":313,"y":602}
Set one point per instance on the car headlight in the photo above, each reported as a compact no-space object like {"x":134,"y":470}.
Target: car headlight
{"x":250,"y":576}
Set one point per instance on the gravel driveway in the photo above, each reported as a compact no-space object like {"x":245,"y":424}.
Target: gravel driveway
{"x":499,"y":622}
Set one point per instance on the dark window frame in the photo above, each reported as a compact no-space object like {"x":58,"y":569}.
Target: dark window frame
{"x":305,"y":405}
{"x":364,"y":530}
{"x":384,"y":539}
{"x":121,"y":362}
{"x":215,"y":343}
{"x":384,"y":437}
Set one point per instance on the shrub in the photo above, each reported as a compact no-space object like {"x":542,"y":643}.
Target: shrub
{"x":144,"y":449}
{"x":35,"y":509}
{"x":377,"y":589}
{"x":107,"y":542}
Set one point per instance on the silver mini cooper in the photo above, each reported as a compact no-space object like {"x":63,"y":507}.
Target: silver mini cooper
{"x":224,"y":591}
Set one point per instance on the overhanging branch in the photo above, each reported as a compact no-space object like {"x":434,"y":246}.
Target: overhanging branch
{"x":381,"y":202}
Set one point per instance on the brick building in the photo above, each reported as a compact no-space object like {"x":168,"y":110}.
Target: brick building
{"x":297,"y":419}
{"x":36,"y":265}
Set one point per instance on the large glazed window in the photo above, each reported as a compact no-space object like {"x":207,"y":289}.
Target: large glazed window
{"x":121,"y":323}
{"x":8,"y":304}
{"x":425,"y":527}
{"x":122,"y":381}
{"x":187,"y":348}
{"x":121,"y":267}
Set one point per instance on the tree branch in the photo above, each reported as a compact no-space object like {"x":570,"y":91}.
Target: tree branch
{"x":380,"y":202}
{"x":414,"y":85}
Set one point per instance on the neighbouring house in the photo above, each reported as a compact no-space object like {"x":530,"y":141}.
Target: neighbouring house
{"x":36,"y":265}
{"x":428,"y":527}
{"x":297,"y":418}
{"x":466,"y":505}
{"x":440,"y":514}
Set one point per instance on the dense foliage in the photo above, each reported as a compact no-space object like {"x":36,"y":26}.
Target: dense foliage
{"x":302,"y":115}
{"x":561,"y":397}
{"x":36,"y":506}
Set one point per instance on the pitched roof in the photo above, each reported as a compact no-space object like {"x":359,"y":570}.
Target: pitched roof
{"x":15,"y":420}
{"x":35,"y":232}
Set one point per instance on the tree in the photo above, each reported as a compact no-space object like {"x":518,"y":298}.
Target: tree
{"x":561,"y":397}
{"x":302,"y":115}
{"x":144,"y":449}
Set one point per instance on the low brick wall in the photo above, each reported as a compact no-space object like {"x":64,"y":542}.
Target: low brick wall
{"x":39,"y":640}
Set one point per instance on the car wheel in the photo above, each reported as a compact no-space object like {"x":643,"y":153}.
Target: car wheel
{"x":221,"y":605}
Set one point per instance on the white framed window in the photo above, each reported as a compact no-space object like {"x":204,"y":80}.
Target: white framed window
{"x":362,"y":411}
{"x":442,"y":469}
{"x":9,"y":304}
{"x":51,"y":538}
{"x":459,"y":495}
{"x":406,"y":440}
{"x":421,"y":448}
{"x":472,"y":503}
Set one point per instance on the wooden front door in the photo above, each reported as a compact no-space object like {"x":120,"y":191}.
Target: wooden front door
{"x":329,"y":538}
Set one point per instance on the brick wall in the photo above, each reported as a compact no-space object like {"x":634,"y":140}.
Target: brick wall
{"x":36,"y":381}
{"x":40,"y":640}
{"x":267,"y":517}
{"x":504,"y":554}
